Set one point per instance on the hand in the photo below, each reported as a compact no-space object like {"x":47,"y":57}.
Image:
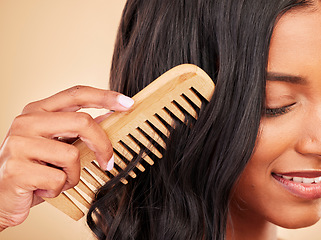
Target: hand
{"x":34,"y":164}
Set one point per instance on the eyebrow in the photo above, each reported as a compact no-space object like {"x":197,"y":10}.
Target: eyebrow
{"x":271,"y":76}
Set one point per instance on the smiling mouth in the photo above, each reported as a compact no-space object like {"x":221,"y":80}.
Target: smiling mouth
{"x":301,"y":179}
{"x":308,"y":188}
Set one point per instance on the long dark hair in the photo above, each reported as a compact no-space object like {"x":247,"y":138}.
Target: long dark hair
{"x":185,"y":195}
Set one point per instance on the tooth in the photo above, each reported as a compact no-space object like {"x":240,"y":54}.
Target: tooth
{"x":288,"y":178}
{"x":308,"y":180}
{"x":298,"y":179}
{"x":317,"y":180}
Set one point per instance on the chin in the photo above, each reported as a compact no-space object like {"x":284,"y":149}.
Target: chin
{"x":295,"y":221}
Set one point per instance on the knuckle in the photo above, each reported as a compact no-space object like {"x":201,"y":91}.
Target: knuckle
{"x":58,"y":181}
{"x":72,"y":182}
{"x":18,"y":122}
{"x":10,"y":170}
{"x":75,"y":90}
{"x":23,"y":122}
{"x":52,"y":193}
{"x":72,"y":153}
{"x":108,"y":94}
{"x":11,"y":145}
{"x":61,"y":178}
{"x":84,"y":120}
{"x":11,"y":157}
{"x":30,"y":107}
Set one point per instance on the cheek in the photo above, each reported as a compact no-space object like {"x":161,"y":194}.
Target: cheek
{"x":257,"y":194}
{"x":262,"y":202}
{"x":276,"y":138}
{"x":274,"y":144}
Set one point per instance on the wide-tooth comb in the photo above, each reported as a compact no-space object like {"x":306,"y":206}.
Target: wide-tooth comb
{"x":181,"y":89}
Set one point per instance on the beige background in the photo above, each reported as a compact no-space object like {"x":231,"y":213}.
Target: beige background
{"x":47,"y":46}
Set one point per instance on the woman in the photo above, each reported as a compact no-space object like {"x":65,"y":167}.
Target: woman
{"x":250,"y":162}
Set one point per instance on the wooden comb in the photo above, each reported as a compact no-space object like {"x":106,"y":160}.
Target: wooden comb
{"x":182,"y":88}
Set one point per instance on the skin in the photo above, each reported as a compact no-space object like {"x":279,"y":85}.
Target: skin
{"x":32,"y":143}
{"x":288,"y":142}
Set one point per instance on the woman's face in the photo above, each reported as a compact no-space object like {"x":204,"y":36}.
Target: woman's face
{"x":282,"y":181}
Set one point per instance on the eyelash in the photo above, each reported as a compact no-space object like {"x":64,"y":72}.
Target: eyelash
{"x":275,"y":112}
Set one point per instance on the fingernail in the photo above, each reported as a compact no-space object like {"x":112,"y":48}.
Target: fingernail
{"x":110,"y":164}
{"x":125,"y":101}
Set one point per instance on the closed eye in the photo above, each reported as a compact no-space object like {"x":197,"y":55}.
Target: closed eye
{"x":275,"y":112}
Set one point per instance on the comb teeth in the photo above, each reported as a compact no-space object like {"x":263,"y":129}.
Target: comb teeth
{"x":143,"y":130}
{"x":83,"y":187}
{"x":148,"y":129}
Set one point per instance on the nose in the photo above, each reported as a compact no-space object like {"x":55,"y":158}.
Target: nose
{"x":309,"y":141}
{"x":309,"y":146}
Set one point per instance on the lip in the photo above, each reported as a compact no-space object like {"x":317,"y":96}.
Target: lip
{"x":306,"y":174}
{"x":305,"y":191}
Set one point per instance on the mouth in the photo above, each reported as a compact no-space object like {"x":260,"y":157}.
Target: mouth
{"x":303,"y":185}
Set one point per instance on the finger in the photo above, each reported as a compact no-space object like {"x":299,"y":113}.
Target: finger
{"x":79,"y":97}
{"x":67,"y":125}
{"x":49,"y":152}
{"x":101,"y":118}
{"x":28,"y":177}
